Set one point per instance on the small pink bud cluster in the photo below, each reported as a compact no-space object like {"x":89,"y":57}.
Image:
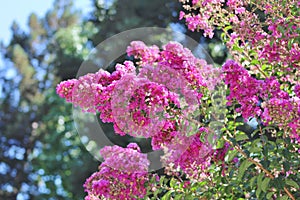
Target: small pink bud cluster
{"x":280,"y":111}
{"x":202,"y":13}
{"x":285,"y":113}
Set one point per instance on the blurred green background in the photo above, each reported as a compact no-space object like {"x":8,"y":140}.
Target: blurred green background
{"x":41,"y":154}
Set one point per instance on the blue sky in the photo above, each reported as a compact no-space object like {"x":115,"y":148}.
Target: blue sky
{"x":19,"y":11}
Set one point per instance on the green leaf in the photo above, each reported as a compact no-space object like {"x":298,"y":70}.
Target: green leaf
{"x":189,"y":197}
{"x":173,"y":183}
{"x":265,"y":184}
{"x":255,"y":142}
{"x":211,"y":139}
{"x":290,"y":42}
{"x":256,"y":146}
{"x":227,"y":28}
{"x":252,"y":180}
{"x":220,"y":144}
{"x":178,"y":197}
{"x":292,"y":183}
{"x":192,"y":129}
{"x":257,"y":192}
{"x":286,"y":166}
{"x":231,"y":155}
{"x":279,"y":183}
{"x":265,"y":151}
{"x":237,"y":48}
{"x":223,"y":37}
{"x":269,"y":195}
{"x":202,"y":137}
{"x":252,"y":53}
{"x":244,"y":166}
{"x":241,"y":137}
{"x":254,"y":62}
{"x":260,"y":184}
{"x":281,"y":29}
{"x":167,"y":196}
{"x":265,"y":163}
{"x":285,"y":197}
{"x":255,"y":149}
{"x":156,"y":192}
{"x":259,"y":179}
{"x":161,"y":181}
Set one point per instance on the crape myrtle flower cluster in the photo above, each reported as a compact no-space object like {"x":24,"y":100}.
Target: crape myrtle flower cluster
{"x":266,"y":53}
{"x":193,"y":156}
{"x":262,"y":99}
{"x":153,"y":93}
{"x":156,"y":103}
{"x":271,"y":39}
{"x":263,"y":38}
{"x":122,"y":174}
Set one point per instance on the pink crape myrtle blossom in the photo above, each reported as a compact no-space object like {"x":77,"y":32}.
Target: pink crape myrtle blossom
{"x":243,"y":89}
{"x":165,"y":136}
{"x":166,"y":95}
{"x":270,"y":88}
{"x":196,"y":22}
{"x":262,"y":99}
{"x":122,"y":175}
{"x":279,"y":49}
{"x":182,"y":61}
{"x":201,"y":21}
{"x":274,"y":39}
{"x":139,"y":105}
{"x":295,"y":129}
{"x":192,"y":155}
{"x":285,"y":113}
{"x":297,"y":90}
{"x":148,"y":55}
{"x":84,"y":92}
{"x":64,"y":89}
{"x":144,"y":104}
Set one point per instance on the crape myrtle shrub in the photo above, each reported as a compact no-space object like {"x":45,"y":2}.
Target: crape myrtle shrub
{"x":172,"y":86}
